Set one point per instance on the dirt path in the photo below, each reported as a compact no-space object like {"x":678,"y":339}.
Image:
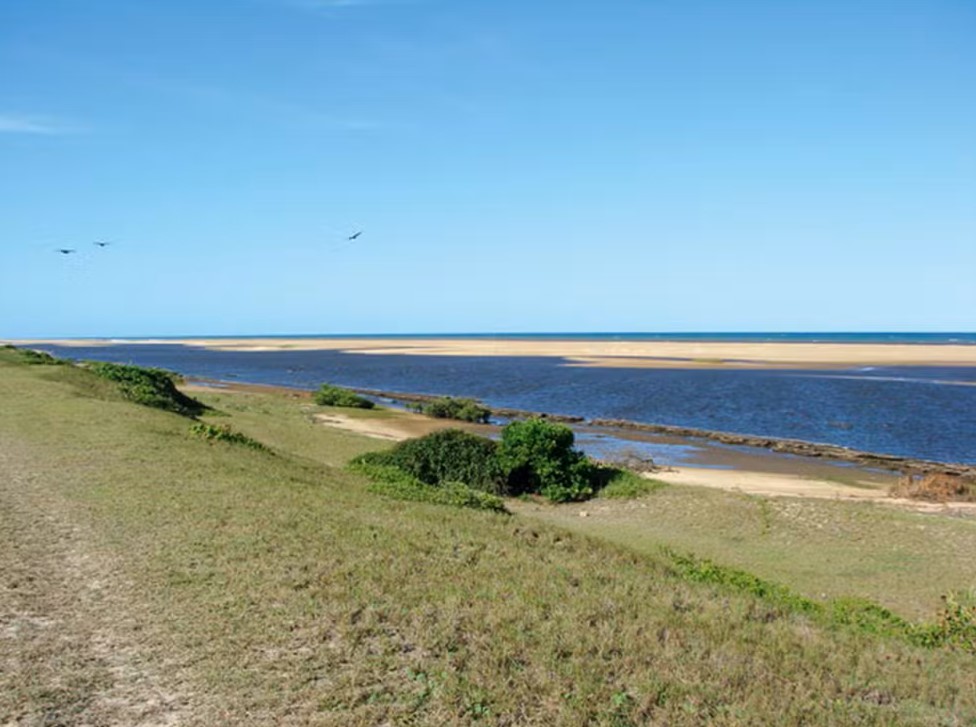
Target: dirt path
{"x":71,"y":650}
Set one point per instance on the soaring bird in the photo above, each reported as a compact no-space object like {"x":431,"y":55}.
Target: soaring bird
{"x":102,"y":244}
{"x":65,"y":251}
{"x":354,"y":235}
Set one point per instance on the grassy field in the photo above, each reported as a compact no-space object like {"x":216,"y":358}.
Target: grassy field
{"x":904,"y":560}
{"x":149,"y":576}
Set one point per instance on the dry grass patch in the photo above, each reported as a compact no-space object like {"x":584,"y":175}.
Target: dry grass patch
{"x":936,"y":487}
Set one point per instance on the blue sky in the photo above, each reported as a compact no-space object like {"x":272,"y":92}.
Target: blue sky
{"x":540,"y":166}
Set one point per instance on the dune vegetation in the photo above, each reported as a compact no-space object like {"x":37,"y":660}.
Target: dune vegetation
{"x":155,"y":571}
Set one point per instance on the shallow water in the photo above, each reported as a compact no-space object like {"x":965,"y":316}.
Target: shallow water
{"x":924,"y":412}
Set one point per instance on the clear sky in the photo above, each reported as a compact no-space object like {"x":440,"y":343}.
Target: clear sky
{"x":635,"y":165}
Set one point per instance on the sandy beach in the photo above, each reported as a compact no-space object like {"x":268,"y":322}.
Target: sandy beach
{"x":601,"y":353}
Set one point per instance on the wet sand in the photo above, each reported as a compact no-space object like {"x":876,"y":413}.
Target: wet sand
{"x":601,"y":353}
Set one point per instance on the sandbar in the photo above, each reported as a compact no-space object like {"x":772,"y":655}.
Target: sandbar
{"x":600,"y":353}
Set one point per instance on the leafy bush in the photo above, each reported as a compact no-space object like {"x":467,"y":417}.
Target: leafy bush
{"x":955,"y":628}
{"x":446,"y":456}
{"x":394,"y":482}
{"x":626,"y":485}
{"x":538,"y":457}
{"x":956,"y":625}
{"x":329,"y":395}
{"x":534,"y":456}
{"x":465,"y":410}
{"x":225,"y":434}
{"x":38,"y":358}
{"x":149,"y":387}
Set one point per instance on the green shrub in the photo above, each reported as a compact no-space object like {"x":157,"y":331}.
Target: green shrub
{"x":625,"y":485}
{"x":449,"y":455}
{"x":534,"y":456}
{"x":225,"y":434}
{"x":465,"y":410}
{"x":956,"y":626}
{"x":149,"y":387}
{"x":538,"y":457}
{"x":38,"y":358}
{"x":394,"y":482}
{"x":329,"y":395}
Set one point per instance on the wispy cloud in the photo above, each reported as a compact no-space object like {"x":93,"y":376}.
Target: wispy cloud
{"x":20,"y":124}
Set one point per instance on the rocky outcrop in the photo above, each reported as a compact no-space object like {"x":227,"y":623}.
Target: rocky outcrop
{"x":795,"y":446}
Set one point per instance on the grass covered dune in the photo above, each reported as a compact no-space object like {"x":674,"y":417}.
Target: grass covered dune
{"x":150,"y":575}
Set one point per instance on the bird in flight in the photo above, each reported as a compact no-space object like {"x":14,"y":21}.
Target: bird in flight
{"x":65,"y":250}
{"x":101,"y":244}
{"x":354,"y":235}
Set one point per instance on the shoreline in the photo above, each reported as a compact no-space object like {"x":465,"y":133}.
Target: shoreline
{"x":765,"y":473}
{"x":778,"y":445}
{"x":781,"y":445}
{"x":633,"y":353}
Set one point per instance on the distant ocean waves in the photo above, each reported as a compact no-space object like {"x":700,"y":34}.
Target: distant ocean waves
{"x":927,"y":413}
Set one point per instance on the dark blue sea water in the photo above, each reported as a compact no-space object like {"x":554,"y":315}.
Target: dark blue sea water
{"x":911,"y":411}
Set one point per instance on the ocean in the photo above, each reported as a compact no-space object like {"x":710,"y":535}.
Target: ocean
{"x":921,"y":412}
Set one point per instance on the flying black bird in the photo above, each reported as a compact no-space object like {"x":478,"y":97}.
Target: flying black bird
{"x":354,"y":235}
{"x":65,"y":251}
{"x":102,"y":244}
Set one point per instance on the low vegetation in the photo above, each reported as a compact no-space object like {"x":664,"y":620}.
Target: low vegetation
{"x":534,"y":457}
{"x":329,"y":395}
{"x":626,"y":485}
{"x":150,"y":387}
{"x":37,"y":358}
{"x":223,"y":433}
{"x":538,"y":457}
{"x":447,"y":407}
{"x":446,"y":456}
{"x":955,"y":625}
{"x":394,"y":482}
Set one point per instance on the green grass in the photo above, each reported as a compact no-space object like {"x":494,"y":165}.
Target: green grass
{"x":287,"y":424}
{"x":329,"y":395}
{"x":36,"y":358}
{"x":224,"y":434}
{"x":150,"y":387}
{"x":627,"y":485}
{"x":394,"y":482}
{"x":280,"y":589}
{"x":822,"y":549}
{"x":447,"y":407}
